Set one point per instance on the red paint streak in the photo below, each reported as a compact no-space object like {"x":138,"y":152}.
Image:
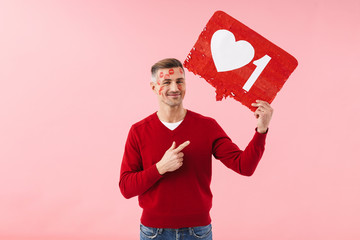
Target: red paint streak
{"x":161,"y":74}
{"x":181,"y":71}
{"x":160,"y":90}
{"x":230,"y":83}
{"x":167,"y":76}
{"x":171,"y":71}
{"x":158,"y":81}
{"x":179,"y":87}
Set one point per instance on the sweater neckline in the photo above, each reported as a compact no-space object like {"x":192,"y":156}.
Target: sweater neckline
{"x":178,"y":127}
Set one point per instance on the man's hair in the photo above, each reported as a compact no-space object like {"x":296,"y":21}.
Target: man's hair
{"x":165,"y":63}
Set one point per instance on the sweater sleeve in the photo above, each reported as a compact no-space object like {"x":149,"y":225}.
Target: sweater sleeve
{"x":134,"y":180}
{"x":243,"y":162}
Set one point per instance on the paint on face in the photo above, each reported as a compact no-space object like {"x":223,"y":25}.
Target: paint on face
{"x":160,"y":90}
{"x":158,"y":82}
{"x":167,"y":76}
{"x":171,"y":71}
{"x":161,"y":74}
{"x":181,"y":71}
{"x":179,"y":86}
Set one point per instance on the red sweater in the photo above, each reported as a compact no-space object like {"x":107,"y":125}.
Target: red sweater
{"x":181,"y":198}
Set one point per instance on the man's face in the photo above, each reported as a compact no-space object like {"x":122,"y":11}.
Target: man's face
{"x":170,"y":86}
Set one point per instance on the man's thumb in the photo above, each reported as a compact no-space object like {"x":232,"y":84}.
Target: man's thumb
{"x":173,"y":145}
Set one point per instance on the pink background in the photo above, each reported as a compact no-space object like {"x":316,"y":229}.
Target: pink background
{"x":75,"y":76}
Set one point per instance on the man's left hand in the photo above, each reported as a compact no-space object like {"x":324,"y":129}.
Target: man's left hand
{"x":263,"y":113}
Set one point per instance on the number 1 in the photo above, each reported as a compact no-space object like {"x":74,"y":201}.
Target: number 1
{"x":260,"y":65}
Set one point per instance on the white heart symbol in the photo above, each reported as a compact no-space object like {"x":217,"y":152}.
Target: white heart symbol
{"x":228,"y":54}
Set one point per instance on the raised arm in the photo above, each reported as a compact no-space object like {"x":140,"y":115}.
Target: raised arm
{"x":245,"y":161}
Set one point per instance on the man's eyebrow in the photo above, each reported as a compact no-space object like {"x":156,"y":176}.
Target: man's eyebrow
{"x":179,"y":79}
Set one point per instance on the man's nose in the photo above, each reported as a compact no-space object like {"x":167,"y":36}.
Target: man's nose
{"x":174,"y":87}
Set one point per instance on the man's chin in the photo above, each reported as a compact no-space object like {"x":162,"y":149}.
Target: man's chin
{"x":173,"y":103}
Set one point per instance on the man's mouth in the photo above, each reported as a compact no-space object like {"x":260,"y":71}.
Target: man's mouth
{"x":173,"y":94}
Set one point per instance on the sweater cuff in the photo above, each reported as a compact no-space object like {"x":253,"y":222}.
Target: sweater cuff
{"x":262,"y":133}
{"x":154,"y":173}
{"x":260,"y":137}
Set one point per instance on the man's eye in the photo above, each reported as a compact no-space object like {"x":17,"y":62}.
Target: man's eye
{"x":179,"y":82}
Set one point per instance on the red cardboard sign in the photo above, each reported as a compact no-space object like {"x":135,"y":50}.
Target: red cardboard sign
{"x":239,"y":62}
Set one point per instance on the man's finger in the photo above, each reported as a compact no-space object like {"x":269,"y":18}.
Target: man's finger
{"x":264,"y":107}
{"x":258,"y":113}
{"x":261,"y":108}
{"x":182,"y":146}
{"x":263,"y":102}
{"x":173,"y":145}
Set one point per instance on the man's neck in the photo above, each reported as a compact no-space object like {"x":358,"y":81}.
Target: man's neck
{"x":171,"y":114}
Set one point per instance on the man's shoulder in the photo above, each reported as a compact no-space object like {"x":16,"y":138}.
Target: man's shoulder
{"x":204,"y":123}
{"x":142,"y":123}
{"x":200,"y":117}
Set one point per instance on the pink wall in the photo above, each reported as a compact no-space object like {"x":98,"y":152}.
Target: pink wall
{"x":74,"y":77}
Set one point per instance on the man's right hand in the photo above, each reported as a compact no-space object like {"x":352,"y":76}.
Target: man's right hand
{"x":172,"y":159}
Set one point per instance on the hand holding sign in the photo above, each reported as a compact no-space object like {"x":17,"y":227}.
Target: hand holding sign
{"x":239,"y":62}
{"x":263,"y":113}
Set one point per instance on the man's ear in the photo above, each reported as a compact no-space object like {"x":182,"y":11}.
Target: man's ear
{"x":153,"y":85}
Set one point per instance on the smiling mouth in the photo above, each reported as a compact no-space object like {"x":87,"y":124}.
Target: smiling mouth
{"x":174,"y":95}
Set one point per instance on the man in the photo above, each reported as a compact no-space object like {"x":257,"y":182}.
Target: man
{"x":168,"y":155}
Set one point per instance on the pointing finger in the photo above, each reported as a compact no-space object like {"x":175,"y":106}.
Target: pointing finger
{"x":182,"y":146}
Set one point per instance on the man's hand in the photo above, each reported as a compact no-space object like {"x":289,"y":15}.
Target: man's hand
{"x":263,"y":113}
{"x":172,"y":159}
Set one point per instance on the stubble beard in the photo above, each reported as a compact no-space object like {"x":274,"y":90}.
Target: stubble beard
{"x":173,"y":103}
